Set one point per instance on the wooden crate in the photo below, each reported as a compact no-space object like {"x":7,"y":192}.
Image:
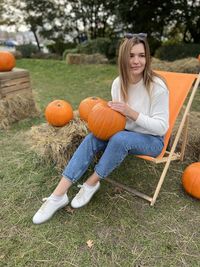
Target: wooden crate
{"x":14,"y":82}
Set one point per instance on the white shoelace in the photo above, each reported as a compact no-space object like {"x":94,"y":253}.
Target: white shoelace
{"x":80,"y":193}
{"x":44,"y":199}
{"x":44,"y":204}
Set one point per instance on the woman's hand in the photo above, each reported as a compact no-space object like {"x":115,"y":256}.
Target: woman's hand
{"x":124,"y":109}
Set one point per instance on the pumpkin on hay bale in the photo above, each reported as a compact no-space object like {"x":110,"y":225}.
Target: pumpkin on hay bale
{"x":86,"y":106}
{"x":56,"y":145}
{"x":16,"y":108}
{"x":58,"y":113}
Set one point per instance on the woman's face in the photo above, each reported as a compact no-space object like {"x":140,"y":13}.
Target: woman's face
{"x":137,"y":60}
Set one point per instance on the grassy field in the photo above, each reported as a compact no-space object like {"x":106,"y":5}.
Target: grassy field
{"x":124,"y":229}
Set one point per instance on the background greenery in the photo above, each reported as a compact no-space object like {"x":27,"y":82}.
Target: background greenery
{"x":61,"y":25}
{"x":125,"y":230}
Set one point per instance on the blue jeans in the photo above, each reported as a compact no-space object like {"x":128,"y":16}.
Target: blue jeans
{"x":115,"y":150}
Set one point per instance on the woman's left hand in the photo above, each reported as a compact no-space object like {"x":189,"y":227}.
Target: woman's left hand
{"x":121,"y":107}
{"x":124,"y":109}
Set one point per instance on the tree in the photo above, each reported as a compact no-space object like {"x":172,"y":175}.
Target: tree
{"x":145,"y":16}
{"x":187,"y":18}
{"x":35,"y":14}
{"x":93,"y":15}
{"x":2,"y":10}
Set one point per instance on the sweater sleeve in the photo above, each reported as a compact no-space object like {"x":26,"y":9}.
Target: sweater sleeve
{"x":115,"y":90}
{"x":157,"y":122}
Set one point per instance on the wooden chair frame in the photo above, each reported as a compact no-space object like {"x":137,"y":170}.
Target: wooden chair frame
{"x":168,"y":155}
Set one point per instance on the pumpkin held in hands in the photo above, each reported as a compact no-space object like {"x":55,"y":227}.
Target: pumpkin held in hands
{"x":104,"y":122}
{"x":58,"y":113}
{"x":191,"y":179}
{"x":86,"y":106}
{"x":7,"y":61}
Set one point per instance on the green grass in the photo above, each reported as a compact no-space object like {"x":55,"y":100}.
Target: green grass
{"x":125,"y":230}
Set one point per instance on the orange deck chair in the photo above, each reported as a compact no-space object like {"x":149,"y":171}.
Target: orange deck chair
{"x":179,"y":85}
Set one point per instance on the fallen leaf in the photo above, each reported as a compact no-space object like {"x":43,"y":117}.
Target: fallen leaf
{"x":68,"y":209}
{"x":118,"y":190}
{"x":90,"y":243}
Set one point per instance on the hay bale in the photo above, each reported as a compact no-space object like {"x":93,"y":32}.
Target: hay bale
{"x":186,"y":65}
{"x":56,"y":145}
{"x":74,"y":58}
{"x":17,"y":107}
{"x":192,"y":152}
{"x":158,"y":64}
{"x":86,"y":59}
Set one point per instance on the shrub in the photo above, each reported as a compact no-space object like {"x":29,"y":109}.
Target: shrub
{"x":173,"y":52}
{"x":103,"y":46}
{"x":27,"y":50}
{"x":59,"y":47}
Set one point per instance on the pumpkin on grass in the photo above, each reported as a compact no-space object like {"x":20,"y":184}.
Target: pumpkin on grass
{"x":104,"y":122}
{"x":191,"y":179}
{"x":7,"y":61}
{"x":58,"y":113}
{"x":86,"y":106}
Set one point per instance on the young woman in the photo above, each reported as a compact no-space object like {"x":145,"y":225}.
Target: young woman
{"x":140,"y":95}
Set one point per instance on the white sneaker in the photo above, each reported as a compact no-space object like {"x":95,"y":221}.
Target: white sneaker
{"x":48,"y":209}
{"x":84,"y":195}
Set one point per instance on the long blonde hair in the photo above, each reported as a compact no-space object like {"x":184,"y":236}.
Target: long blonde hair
{"x":124,"y":68}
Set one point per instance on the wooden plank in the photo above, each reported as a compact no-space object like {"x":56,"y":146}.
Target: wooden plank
{"x":129,"y":189}
{"x":10,"y":82}
{"x":11,"y":94}
{"x":16,"y":87}
{"x":9,"y":78}
{"x":15,"y":73}
{"x":176,"y":156}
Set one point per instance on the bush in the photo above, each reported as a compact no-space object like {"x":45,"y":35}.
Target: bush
{"x":103,"y":46}
{"x":173,"y":52}
{"x":59,"y":47}
{"x":27,"y":50}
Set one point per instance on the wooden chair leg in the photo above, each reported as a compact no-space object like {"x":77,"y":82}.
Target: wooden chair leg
{"x":185,"y":137}
{"x":161,"y":180}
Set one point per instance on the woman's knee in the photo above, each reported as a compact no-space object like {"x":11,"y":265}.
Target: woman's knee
{"x":118,"y":139}
{"x":94,"y":143}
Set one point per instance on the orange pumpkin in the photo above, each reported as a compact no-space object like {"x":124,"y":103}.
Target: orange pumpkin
{"x":191,"y":179}
{"x":58,"y":113}
{"x":7,"y":61}
{"x":104,"y":122}
{"x":86,"y":106}
{"x":198,"y":57}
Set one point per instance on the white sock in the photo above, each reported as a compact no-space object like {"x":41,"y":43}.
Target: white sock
{"x":56,"y":198}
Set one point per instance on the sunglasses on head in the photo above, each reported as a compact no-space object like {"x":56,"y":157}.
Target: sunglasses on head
{"x":140,"y":35}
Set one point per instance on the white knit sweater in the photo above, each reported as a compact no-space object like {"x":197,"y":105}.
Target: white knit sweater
{"x":153,"y":109}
